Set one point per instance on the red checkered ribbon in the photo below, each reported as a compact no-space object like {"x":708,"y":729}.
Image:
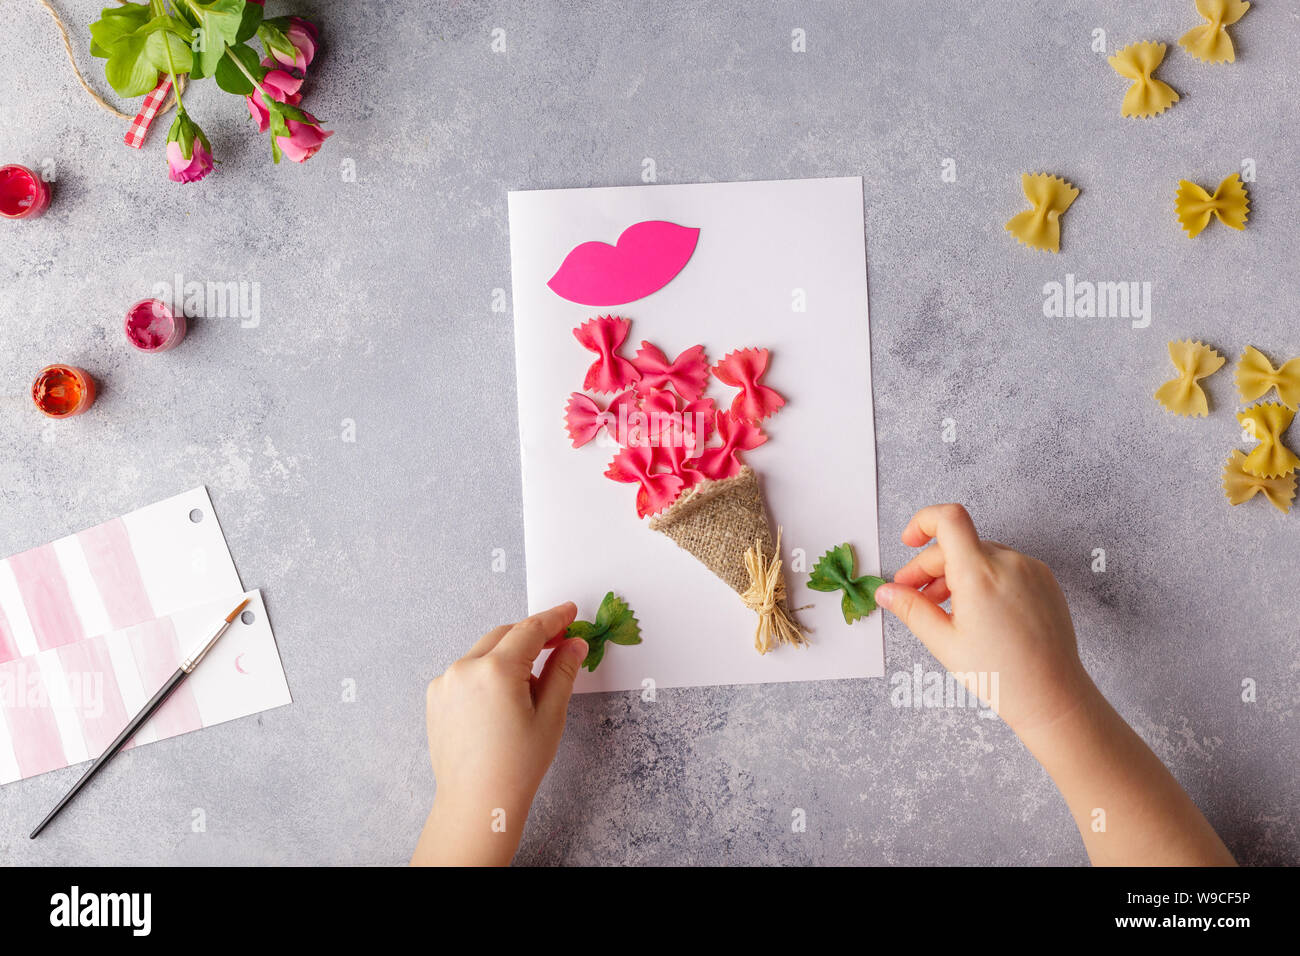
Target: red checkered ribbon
{"x":152,"y":104}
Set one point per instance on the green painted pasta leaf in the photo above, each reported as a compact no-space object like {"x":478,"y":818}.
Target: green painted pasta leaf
{"x":834,"y":572}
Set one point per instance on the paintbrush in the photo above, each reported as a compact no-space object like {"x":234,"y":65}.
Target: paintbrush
{"x":158,"y":699}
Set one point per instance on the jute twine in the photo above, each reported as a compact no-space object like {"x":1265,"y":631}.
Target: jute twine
{"x":725,"y":525}
{"x":103,"y":104}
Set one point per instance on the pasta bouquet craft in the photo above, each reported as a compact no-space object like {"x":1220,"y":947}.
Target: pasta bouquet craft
{"x":686,"y":456}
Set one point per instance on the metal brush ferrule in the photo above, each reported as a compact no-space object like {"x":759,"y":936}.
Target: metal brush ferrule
{"x":192,"y":661}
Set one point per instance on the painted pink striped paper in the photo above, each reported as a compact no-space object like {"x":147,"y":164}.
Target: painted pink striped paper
{"x":8,"y":646}
{"x":45,"y":595}
{"x":117,"y":574}
{"x":33,"y":732}
{"x":157,"y":653}
{"x":92,"y":685}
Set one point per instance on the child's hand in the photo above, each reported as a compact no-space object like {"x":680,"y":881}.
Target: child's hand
{"x":1008,"y":617}
{"x":493,"y":732}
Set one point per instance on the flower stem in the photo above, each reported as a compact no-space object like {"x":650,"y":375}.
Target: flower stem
{"x":234,"y":59}
{"x":244,"y":70}
{"x":176,"y":87}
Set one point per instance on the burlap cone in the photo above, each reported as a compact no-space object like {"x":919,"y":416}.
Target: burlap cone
{"x":725,"y":525}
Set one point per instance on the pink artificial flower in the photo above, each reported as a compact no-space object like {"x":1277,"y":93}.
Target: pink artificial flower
{"x":302,"y":34}
{"x":280,"y":86}
{"x":304,"y":139}
{"x":182,"y":170}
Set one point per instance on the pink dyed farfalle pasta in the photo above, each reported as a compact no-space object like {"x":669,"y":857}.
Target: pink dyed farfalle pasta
{"x":680,"y":431}
{"x":724,"y":461}
{"x":661,"y":415}
{"x":688,"y":374}
{"x":641,"y":465}
{"x":744,"y":369}
{"x":605,"y":336}
{"x":584,"y":418}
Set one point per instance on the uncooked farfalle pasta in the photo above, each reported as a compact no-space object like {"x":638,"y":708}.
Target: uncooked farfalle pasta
{"x":1147,"y":96}
{"x":1183,"y":395}
{"x":1049,"y":197}
{"x":1256,"y":376}
{"x":1240,"y":485}
{"x":1210,"y":41}
{"x":1230,"y":204}
{"x":1266,"y":423}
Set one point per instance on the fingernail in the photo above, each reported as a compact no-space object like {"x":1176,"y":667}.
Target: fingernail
{"x":884,"y":594}
{"x":579,"y":647}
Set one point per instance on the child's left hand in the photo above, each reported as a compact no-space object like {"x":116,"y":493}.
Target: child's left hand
{"x":494,"y":729}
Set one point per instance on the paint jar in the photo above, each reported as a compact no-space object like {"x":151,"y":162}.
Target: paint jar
{"x":61,"y":391}
{"x":23,"y":194}
{"x":151,"y":326}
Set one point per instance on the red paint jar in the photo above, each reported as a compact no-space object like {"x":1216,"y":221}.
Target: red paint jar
{"x":23,"y":194}
{"x":151,"y":326}
{"x":61,"y":391}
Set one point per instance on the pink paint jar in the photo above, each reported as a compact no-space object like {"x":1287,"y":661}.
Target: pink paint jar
{"x":61,"y":391}
{"x":23,"y":194}
{"x":151,"y":326}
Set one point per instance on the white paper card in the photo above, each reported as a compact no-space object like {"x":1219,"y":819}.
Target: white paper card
{"x":780,"y":265}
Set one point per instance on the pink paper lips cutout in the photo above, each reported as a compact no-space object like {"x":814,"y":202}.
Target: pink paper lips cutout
{"x":647,"y":256}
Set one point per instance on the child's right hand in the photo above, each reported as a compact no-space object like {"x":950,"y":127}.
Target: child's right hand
{"x":1008,"y":617}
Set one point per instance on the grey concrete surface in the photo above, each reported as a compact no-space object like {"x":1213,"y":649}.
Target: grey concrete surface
{"x":376,"y":307}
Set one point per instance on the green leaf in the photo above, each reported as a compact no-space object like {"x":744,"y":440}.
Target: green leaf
{"x":167,"y":35}
{"x":615,"y":623}
{"x":834,"y":572}
{"x":230,"y":77}
{"x":294,"y":113}
{"x":248,"y":24}
{"x":128,"y":69}
{"x":277,"y":125}
{"x":219,"y":23}
{"x":273,"y":38}
{"x":114,"y":24}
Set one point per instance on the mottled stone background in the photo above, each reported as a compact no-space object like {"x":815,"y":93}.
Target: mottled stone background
{"x":376,"y":307}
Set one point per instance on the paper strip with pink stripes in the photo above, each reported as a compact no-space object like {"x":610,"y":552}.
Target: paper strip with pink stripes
{"x":64,"y":705}
{"x":147,"y":564}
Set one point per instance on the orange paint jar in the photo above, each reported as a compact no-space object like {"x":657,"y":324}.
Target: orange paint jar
{"x":61,"y":391}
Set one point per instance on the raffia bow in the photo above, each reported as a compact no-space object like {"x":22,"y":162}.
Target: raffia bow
{"x":766,"y":598}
